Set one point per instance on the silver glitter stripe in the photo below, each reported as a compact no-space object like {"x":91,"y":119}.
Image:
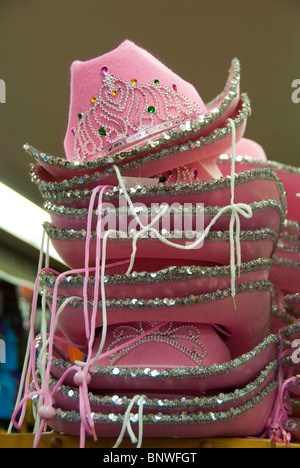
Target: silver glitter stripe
{"x":190,"y":372}
{"x":291,"y":425}
{"x":290,"y":330}
{"x":292,"y":225}
{"x":292,"y":298}
{"x":181,"y":418}
{"x":183,"y":402}
{"x":286,"y":236}
{"x":200,"y":186}
{"x":185,"y":130}
{"x":285,"y":262}
{"x":48,"y":188}
{"x":179,"y":372}
{"x":192,"y":300}
{"x":284,"y":316}
{"x":171,"y":273}
{"x":281,"y":246}
{"x":214,"y":136}
{"x":213,"y":236}
{"x":286,"y":360}
{"x":82,"y":213}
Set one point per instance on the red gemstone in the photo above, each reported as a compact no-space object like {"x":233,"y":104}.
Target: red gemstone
{"x":104,"y":69}
{"x":174,"y":87}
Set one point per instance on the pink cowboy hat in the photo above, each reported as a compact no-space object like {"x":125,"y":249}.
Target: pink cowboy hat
{"x":71,"y":245}
{"x":183,"y":279}
{"x":234,"y":373}
{"x":266,"y":214}
{"x":251,"y":408}
{"x":131,"y":296}
{"x":67,"y":397}
{"x":127,"y":106}
{"x":285,"y":270}
{"x":289,"y":176}
{"x":252,"y":185}
{"x":248,"y":188}
{"x":254,"y":411}
{"x":243,"y":412}
{"x":247,"y":324}
{"x":285,"y":274}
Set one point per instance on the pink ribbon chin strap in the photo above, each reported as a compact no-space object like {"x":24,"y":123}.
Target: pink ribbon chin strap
{"x":82,"y":376}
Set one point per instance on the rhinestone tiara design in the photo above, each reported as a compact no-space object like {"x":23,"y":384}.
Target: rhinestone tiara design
{"x":183,"y":338}
{"x":124,"y":113}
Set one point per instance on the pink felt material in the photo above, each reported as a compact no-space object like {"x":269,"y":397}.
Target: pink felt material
{"x":266,"y":218}
{"x":250,"y":148}
{"x":127,"y":61}
{"x":210,"y":193}
{"x":248,"y":423}
{"x":209,"y":152}
{"x":124,"y":63}
{"x":247,"y":325}
{"x":209,"y":347}
{"x":292,"y":300}
{"x":206,"y":154}
{"x":296,"y":411}
{"x":237,"y":373}
{"x":286,"y":277}
{"x":72,"y":404}
{"x":72,"y":251}
{"x":289,"y":176}
{"x":202,"y":284}
{"x":291,"y":256}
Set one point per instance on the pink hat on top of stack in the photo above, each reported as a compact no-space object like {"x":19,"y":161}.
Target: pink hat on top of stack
{"x":126,"y":105}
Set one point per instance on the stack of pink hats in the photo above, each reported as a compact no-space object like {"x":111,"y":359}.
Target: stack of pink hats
{"x":285,"y":276}
{"x":168,"y":220}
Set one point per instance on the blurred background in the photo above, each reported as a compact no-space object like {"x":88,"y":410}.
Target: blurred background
{"x":197,"y":39}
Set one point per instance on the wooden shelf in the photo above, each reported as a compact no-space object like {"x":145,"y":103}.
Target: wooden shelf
{"x":55,"y":440}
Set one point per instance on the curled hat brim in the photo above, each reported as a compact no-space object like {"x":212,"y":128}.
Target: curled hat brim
{"x":206,"y":129}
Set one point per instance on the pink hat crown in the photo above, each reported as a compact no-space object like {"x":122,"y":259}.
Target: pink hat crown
{"x":123,"y":97}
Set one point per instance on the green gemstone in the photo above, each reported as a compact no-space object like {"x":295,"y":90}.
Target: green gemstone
{"x":162,"y":179}
{"x":102,"y":131}
{"x":79,"y":116}
{"x":151,"y":109}
{"x":156,"y":81}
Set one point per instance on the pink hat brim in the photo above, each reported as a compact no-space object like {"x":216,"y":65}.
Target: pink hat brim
{"x":247,"y":325}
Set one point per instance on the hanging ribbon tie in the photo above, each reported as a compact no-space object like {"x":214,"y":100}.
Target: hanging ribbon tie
{"x":236,"y":210}
{"x":45,"y":409}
